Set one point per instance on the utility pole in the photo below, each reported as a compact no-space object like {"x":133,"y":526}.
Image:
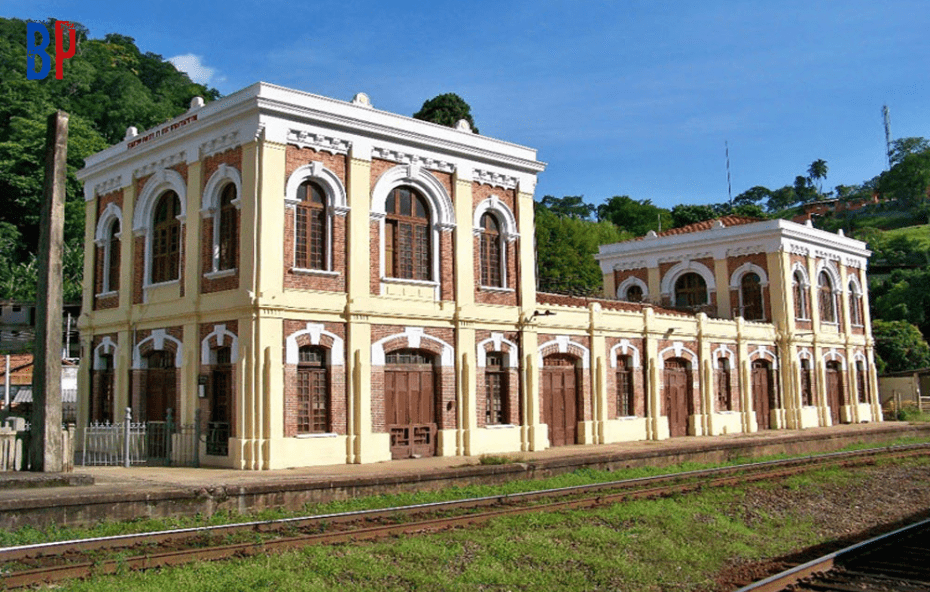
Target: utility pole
{"x":45,"y":449}
{"x":886,"y":115}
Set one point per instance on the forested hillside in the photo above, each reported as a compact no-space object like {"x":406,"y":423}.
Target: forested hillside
{"x":107,"y":86}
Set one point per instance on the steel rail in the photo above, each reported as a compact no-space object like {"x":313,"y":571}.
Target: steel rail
{"x":794,"y":575}
{"x":57,"y":573}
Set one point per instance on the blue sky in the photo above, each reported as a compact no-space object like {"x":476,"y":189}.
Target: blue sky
{"x":620,"y":98}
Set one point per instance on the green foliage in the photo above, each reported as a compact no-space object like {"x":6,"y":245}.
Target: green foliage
{"x":908,"y":180}
{"x":446,"y":109}
{"x":572,"y":206}
{"x":683,"y":215}
{"x":107,"y":86}
{"x":817,"y":171}
{"x":565,"y":249}
{"x":635,"y":217}
{"x":903,"y":147}
{"x":899,"y":346}
{"x":757,"y":196}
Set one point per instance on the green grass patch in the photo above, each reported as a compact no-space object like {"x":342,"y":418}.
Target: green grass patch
{"x":919,"y":233}
{"x":29,"y":535}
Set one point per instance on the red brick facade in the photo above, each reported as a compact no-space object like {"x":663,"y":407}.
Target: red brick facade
{"x":336,"y":377}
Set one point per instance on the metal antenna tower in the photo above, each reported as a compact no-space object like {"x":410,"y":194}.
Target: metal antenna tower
{"x":729,"y":186}
{"x":886,"y":115}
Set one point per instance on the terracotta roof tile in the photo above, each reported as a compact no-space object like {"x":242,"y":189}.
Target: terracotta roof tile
{"x":727,"y":221}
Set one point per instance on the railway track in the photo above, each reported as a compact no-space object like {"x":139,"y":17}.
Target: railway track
{"x":51,"y":562}
{"x":893,"y":562}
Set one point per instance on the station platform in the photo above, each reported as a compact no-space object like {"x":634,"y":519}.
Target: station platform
{"x":92,"y":494}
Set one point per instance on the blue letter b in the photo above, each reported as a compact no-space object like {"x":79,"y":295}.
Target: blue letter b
{"x":37,"y":51}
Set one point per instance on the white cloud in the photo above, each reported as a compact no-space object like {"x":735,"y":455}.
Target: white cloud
{"x":194,"y":68}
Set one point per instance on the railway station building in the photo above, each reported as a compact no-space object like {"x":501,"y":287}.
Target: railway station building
{"x":320,"y":282}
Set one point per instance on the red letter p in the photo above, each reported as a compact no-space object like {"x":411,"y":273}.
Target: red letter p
{"x":60,"y":55}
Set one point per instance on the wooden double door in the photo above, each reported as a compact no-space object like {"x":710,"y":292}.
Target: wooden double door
{"x":763,"y":393}
{"x":409,"y":402}
{"x":560,"y":403}
{"x":835,"y":398}
{"x":679,"y":396}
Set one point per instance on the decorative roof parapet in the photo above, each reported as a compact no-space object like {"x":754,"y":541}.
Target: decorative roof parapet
{"x":220,"y":144}
{"x":407,"y":158}
{"x":495,"y":179}
{"x":303,"y":139}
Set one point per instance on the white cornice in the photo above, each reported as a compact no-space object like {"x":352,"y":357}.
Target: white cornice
{"x":220,"y":144}
{"x":319,"y":142}
{"x":414,"y":159}
{"x":495,"y":179}
{"x":162,"y":163}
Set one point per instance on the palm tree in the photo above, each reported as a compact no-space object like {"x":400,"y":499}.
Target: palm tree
{"x":818,"y":172}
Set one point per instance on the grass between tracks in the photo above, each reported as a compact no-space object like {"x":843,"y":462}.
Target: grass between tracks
{"x":675,"y":543}
{"x":29,"y":535}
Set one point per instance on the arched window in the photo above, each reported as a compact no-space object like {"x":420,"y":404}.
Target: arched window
{"x":407,"y":244}
{"x":634,"y":293}
{"x":750,"y":292}
{"x":724,"y":397}
{"x":166,"y":238}
{"x":312,"y":391}
{"x":625,"y":407}
{"x":112,"y":254}
{"x":496,"y":388}
{"x":799,"y":287}
{"x":690,"y":290}
{"x":228,"y":235}
{"x":826,"y":300}
{"x":807,"y":387}
{"x":492,"y":261}
{"x":855,"y":304}
{"x":310,"y":244}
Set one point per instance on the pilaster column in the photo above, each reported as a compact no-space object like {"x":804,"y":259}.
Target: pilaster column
{"x":722,"y":278}
{"x":192,"y":234}
{"x":598,"y":371}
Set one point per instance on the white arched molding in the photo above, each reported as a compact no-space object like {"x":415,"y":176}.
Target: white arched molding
{"x":725,"y":352}
{"x":110,"y":213}
{"x":315,"y":331}
{"x":835,"y":355}
{"x":106,"y":346}
{"x":158,"y":339}
{"x":498,"y":343}
{"x":678,"y":350}
{"x":563,"y":342}
{"x":336,"y":201}
{"x":442,"y":212}
{"x":624,"y":348}
{"x":221,"y":337}
{"x":508,"y":222}
{"x":161,"y":181}
{"x":832,"y":272}
{"x":210,"y":207}
{"x":854,"y":286}
{"x":630,"y":282}
{"x":414,"y":336}
{"x":762,"y":352}
{"x":745,"y":268}
{"x":798,"y":267}
{"x":683,"y":267}
{"x":805,"y":354}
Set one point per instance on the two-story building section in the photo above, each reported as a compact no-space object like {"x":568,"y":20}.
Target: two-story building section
{"x":321,"y":282}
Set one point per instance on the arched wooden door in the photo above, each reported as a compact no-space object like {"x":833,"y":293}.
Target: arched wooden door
{"x":763,"y":392}
{"x":560,"y":398}
{"x":160,"y":385}
{"x":409,"y":403}
{"x":834,"y":390}
{"x":678,"y":397}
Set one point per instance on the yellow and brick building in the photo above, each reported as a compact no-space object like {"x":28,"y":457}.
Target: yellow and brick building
{"x":329,"y":283}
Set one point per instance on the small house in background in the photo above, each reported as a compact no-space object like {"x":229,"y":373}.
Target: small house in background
{"x":909,"y":387}
{"x":17,"y":328}
{"x":17,"y":392}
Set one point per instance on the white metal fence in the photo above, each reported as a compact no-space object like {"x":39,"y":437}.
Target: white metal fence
{"x":149,"y":443}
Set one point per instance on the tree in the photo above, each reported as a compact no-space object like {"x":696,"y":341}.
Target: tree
{"x":899,"y":346}
{"x":446,"y":109}
{"x":804,"y":189}
{"x":903,"y":296}
{"x":636,"y":217}
{"x":817,"y":171}
{"x":572,"y":206}
{"x":684,"y":214}
{"x":754,"y":196}
{"x":565,"y":249}
{"x":781,"y":199}
{"x":908,"y":180}
{"x":904,"y":146}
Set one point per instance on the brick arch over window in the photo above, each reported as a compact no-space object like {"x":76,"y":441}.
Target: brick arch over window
{"x":441,"y":214}
{"x":834,"y":355}
{"x":495,"y":206}
{"x":315,"y":334}
{"x":412,"y":338}
{"x":678,"y":350}
{"x":497,"y":343}
{"x":497,"y":386}
{"x":624,"y":348}
{"x":107,"y":275}
{"x":564,"y":345}
{"x":762,"y":352}
{"x":219,"y":337}
{"x":682,"y":268}
{"x":159,"y":183}
{"x":624,"y":288}
{"x":110,"y":213}
{"x":104,"y":348}
{"x":158,"y":340}
{"x":212,"y":207}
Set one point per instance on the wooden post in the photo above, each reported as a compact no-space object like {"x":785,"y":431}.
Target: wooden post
{"x":45,"y":443}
